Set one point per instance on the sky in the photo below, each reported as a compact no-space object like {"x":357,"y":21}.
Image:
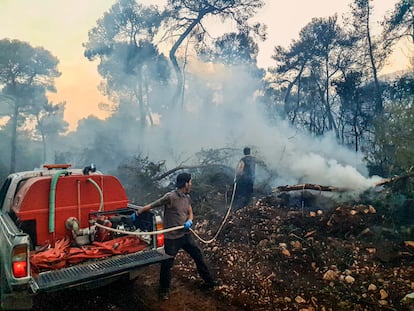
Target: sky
{"x":62,"y":26}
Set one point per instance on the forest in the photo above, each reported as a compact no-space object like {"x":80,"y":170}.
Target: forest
{"x":181,"y":97}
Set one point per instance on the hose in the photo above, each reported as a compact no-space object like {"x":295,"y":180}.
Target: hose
{"x":100,"y":193}
{"x":222,"y":223}
{"x":52,"y":197}
{"x":225,"y":217}
{"x":138,"y":233}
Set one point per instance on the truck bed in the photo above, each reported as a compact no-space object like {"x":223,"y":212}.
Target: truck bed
{"x":55,"y":233}
{"x":85,"y":273}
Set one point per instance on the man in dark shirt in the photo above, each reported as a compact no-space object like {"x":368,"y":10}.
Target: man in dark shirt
{"x":245,"y":175}
{"x":178,"y":212}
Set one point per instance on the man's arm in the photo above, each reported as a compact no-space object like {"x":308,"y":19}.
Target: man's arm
{"x":240,"y":168}
{"x":190,"y":213}
{"x":160,"y":202}
{"x":189,"y":222}
{"x":145,"y":208}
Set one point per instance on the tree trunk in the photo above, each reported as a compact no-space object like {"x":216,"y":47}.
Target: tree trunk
{"x":179,"y":74}
{"x":289,"y":89}
{"x":331,"y":120}
{"x":42,"y":134}
{"x":378,"y":97}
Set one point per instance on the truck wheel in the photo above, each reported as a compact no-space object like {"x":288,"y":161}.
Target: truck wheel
{"x":9,"y":300}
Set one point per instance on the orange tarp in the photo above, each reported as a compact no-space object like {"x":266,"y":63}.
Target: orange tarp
{"x":63,"y":254}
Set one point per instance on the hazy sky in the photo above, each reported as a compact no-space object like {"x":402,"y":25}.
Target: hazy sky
{"x":62,"y":26}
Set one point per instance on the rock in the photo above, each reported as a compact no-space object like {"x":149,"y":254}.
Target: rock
{"x":349,"y":279}
{"x":383,"y":294}
{"x":330,"y":275}
{"x":383,"y":302}
{"x":296,"y":245}
{"x":285,"y":252}
{"x":299,"y":299}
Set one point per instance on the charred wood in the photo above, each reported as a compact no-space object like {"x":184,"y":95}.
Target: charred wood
{"x":308,"y":187}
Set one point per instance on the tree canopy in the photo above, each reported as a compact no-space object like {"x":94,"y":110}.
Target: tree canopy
{"x":26,"y":73}
{"x":174,"y":87}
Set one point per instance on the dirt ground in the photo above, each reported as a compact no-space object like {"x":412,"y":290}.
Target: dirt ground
{"x":280,"y":253}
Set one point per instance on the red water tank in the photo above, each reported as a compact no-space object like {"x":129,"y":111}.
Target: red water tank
{"x":75,"y":196}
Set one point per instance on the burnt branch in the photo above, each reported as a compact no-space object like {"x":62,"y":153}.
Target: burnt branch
{"x":186,"y":167}
{"x":394,"y":179}
{"x":308,"y":187}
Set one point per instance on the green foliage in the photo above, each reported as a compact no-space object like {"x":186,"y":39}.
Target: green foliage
{"x":393,"y":150}
{"x":330,"y":77}
{"x":133,"y":69}
{"x":232,"y":49}
{"x":399,"y":23}
{"x":25,"y":75}
{"x":186,"y":21}
{"x":367,"y":54}
{"x":306,"y":71}
{"x":23,"y":64}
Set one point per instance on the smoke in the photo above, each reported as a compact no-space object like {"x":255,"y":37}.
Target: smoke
{"x":220,"y":111}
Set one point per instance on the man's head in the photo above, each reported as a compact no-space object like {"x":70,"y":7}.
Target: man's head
{"x":183,"y":180}
{"x":246,"y":151}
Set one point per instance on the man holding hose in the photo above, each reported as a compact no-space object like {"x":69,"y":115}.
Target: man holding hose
{"x":178,"y":212}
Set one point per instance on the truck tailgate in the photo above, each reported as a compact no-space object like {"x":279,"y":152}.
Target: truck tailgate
{"x":90,"y":272}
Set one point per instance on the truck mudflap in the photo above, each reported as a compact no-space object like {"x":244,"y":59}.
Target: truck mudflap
{"x":87,"y":273}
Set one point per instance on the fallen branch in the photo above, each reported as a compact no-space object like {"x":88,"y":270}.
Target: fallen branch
{"x":309,"y":187}
{"x":393,"y":179}
{"x":186,"y":167}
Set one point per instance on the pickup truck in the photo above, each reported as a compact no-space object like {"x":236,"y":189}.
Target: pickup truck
{"x":53,"y":236}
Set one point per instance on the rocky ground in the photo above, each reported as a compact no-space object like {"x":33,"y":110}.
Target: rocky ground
{"x":280,"y":253}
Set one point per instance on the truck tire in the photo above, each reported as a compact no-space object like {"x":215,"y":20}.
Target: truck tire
{"x":21,"y":301}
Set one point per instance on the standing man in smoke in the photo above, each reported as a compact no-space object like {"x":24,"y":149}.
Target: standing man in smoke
{"x":245,"y":175}
{"x":178,"y":212}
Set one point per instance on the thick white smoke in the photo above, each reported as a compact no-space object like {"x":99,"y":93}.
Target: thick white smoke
{"x":230,"y":118}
